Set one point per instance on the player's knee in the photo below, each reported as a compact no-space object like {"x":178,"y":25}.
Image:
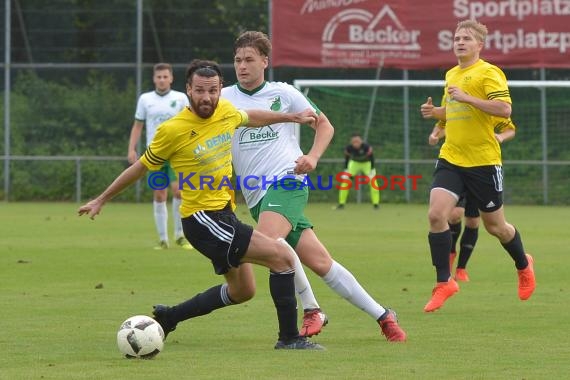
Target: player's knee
{"x":320,"y":264}
{"x":500,"y":231}
{"x":282,"y":259}
{"x":286,"y":259}
{"x":160,"y":195}
{"x":472,"y":222}
{"x":456,"y":216}
{"x":436,"y":217}
{"x":176,"y":192}
{"x":242,"y":294}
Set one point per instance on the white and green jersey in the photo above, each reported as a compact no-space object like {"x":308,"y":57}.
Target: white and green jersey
{"x":264,"y":155}
{"x":153,"y":109}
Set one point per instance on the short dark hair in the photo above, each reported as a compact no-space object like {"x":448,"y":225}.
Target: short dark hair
{"x":162,"y":66}
{"x":256,"y":40}
{"x":203,"y":68}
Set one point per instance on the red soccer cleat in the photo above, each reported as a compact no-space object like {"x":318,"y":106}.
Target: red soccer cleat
{"x":313,"y":322}
{"x":391,"y":329}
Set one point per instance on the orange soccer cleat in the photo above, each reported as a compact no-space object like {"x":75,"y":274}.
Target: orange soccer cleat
{"x":441,"y":292}
{"x":461,"y":275}
{"x":527,"y":282}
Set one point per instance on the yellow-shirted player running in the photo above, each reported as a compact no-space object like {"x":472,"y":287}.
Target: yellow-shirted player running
{"x":475,"y":95}
{"x":197,"y":143}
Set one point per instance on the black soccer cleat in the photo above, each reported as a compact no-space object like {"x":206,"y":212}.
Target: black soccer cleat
{"x":160,"y":313}
{"x":299,"y":343}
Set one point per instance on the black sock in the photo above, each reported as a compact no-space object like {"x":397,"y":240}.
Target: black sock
{"x":467,"y":244}
{"x":455,"y":231}
{"x":201,"y":304}
{"x":383,"y":316}
{"x":282,"y":289}
{"x":440,"y":246}
{"x":516,"y":250}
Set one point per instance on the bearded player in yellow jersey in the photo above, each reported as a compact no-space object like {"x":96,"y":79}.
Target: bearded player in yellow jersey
{"x":475,"y":95}
{"x":197,"y":143}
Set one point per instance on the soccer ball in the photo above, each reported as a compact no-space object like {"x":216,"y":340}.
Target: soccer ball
{"x":140,"y":337}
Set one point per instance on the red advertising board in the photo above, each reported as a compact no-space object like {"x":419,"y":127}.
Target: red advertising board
{"x":417,"y":34}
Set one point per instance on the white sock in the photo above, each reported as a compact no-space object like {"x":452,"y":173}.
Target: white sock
{"x":178,"y":232}
{"x":302,"y":285}
{"x":161,"y":219}
{"x":343,"y":283}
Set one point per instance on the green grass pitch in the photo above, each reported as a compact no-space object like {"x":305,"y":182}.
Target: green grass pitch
{"x":66,"y":284}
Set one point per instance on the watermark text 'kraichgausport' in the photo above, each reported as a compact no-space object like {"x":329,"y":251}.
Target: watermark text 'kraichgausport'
{"x":340,"y":181}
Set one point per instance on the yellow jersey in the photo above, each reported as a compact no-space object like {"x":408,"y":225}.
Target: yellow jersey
{"x":199,"y":152}
{"x":469,"y":132}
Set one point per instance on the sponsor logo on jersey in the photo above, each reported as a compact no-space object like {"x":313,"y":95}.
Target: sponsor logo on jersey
{"x":256,"y":135}
{"x":199,"y":150}
{"x":218,"y":140}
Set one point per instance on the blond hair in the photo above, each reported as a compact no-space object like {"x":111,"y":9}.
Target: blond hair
{"x":479,"y":30}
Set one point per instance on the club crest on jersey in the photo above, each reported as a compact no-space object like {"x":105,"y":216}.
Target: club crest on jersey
{"x":275,"y":104}
{"x":173,"y":104}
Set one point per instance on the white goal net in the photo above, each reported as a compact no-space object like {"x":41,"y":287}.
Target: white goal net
{"x":386,"y":113}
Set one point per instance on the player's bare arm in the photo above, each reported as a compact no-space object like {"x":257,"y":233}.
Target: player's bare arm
{"x":436,"y":134}
{"x":506,"y":135}
{"x":260,"y":118}
{"x":136,"y":131}
{"x":324,"y":132}
{"x":429,"y":111}
{"x":492,"y":107}
{"x":129,"y":176}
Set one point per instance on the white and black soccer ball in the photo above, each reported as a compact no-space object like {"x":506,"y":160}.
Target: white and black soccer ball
{"x":140,"y":337}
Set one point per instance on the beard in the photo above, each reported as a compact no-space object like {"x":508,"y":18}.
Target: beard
{"x":204,"y":109}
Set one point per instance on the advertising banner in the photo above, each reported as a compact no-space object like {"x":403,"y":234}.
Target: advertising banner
{"x":417,"y":34}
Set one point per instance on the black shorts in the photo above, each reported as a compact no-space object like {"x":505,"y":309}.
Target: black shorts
{"x":471,"y":210}
{"x":482,"y":185}
{"x":218,"y":235}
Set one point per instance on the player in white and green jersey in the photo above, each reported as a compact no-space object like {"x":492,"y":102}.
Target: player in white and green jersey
{"x":272,"y":153}
{"x":153,"y":108}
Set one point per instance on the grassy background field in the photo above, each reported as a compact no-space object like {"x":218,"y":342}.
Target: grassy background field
{"x":67,"y":283}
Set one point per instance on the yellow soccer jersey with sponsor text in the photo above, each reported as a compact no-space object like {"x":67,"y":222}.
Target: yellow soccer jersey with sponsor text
{"x":469,"y":132}
{"x":199,"y":151}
